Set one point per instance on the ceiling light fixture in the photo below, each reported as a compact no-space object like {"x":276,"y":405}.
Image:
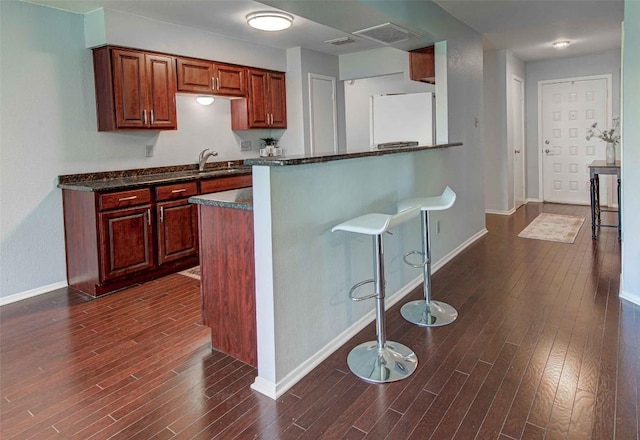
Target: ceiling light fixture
{"x":269,"y":21}
{"x":561,"y":44}
{"x":204,"y":100}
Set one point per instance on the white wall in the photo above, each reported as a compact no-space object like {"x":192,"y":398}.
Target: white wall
{"x":495,"y":131}
{"x":47,"y":109}
{"x":607,"y":62}
{"x":630,"y":283}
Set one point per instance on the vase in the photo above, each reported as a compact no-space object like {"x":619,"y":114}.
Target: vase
{"x":611,"y":153}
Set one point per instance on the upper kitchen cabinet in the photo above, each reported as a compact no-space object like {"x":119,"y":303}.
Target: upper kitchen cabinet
{"x":265,"y":105}
{"x":134,"y":89}
{"x":422,"y":66}
{"x":201,"y":76}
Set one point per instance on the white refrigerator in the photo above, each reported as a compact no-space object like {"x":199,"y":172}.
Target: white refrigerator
{"x":407,"y":117}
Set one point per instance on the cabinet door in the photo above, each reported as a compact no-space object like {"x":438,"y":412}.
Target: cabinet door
{"x":161,"y":91}
{"x":277,"y":100}
{"x":422,"y":65}
{"x":126,"y":244}
{"x":129,"y":88}
{"x":194,"y":75}
{"x":230,"y":80}
{"x":258,"y":99}
{"x":177,"y":230}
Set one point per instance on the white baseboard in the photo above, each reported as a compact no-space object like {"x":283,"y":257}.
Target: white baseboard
{"x":629,"y":296}
{"x":31,"y":293}
{"x":495,"y":211}
{"x":275,"y":390}
{"x":535,"y":200}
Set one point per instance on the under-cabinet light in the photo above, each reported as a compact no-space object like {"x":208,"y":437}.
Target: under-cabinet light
{"x":205,"y":100}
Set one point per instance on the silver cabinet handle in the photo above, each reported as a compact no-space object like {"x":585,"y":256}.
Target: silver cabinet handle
{"x":516,"y":151}
{"x":149,"y":216}
{"x":124,"y":199}
{"x":181,"y":190}
{"x":144,"y":116}
{"x":213,"y":83}
{"x":162,"y":213}
{"x":152,"y":118}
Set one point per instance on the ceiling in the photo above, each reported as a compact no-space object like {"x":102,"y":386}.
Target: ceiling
{"x":525,"y":27}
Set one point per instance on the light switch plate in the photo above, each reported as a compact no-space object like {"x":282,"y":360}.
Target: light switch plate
{"x":245,"y":146}
{"x":149,"y":151}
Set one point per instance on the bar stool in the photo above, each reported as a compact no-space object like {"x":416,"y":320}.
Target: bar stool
{"x":379,"y":361}
{"x":427,"y":312}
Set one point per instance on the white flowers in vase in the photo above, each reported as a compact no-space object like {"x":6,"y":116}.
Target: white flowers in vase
{"x":611,"y":135}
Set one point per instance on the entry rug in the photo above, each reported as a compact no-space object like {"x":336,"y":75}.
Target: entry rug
{"x":194,"y":272}
{"x":553,"y":227}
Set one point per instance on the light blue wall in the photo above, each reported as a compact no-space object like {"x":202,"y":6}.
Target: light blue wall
{"x":631,"y":154}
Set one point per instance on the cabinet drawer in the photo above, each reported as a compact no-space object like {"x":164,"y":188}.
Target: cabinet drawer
{"x":176,"y":191}
{"x":123,"y":199}
{"x":225,"y":183}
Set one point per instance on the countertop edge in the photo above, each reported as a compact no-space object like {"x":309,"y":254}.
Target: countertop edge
{"x":235,"y":198}
{"x":305,"y":159}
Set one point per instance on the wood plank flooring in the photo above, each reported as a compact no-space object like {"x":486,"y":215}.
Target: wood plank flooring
{"x":543,"y":348}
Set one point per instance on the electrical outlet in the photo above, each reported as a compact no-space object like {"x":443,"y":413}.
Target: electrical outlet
{"x":245,"y":146}
{"x":149,"y":151}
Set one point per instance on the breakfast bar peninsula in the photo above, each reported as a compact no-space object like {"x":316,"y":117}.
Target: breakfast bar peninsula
{"x":303,"y":271}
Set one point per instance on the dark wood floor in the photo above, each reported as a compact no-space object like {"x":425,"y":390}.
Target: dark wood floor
{"x":543,"y":348}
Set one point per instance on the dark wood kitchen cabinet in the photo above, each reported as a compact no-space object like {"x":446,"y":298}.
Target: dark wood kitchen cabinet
{"x":126,"y":245}
{"x":177,"y":222}
{"x":134,"y":89}
{"x":201,"y":76}
{"x":422,"y":66}
{"x":114,"y":239}
{"x":265,"y":105}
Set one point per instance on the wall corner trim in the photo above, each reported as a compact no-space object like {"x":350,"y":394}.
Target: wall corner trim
{"x":31,"y":293}
{"x":631,"y":297}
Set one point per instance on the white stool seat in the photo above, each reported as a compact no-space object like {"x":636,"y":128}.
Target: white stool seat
{"x":437,"y":203}
{"x":376,"y":224}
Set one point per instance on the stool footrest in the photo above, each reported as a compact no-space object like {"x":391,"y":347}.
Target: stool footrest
{"x":357,"y":286}
{"x":425,"y":261}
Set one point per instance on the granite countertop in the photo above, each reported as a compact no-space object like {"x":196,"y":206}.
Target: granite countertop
{"x":126,"y":179}
{"x":236,"y":198}
{"x":309,"y":158}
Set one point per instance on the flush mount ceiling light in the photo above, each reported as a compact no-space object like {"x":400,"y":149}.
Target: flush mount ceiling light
{"x":204,"y":100}
{"x":561,"y":44}
{"x":269,"y":21}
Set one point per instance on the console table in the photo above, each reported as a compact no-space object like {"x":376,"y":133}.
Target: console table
{"x":596,"y":168}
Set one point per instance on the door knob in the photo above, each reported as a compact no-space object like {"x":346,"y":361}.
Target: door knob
{"x":546,"y":142}
{"x":547,"y":151}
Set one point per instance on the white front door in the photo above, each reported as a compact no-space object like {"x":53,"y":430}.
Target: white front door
{"x":517,"y":140}
{"x":568,"y":109}
{"x":322,"y":114}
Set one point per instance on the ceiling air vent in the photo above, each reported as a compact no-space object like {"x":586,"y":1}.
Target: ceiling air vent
{"x":386,"y":33}
{"x":341,"y":41}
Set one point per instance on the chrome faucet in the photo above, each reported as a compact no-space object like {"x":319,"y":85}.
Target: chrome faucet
{"x":203,"y":158}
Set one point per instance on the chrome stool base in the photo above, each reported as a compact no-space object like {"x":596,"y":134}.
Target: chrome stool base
{"x":391,"y":363}
{"x":435,"y":314}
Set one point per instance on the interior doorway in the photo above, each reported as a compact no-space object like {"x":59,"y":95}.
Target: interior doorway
{"x":323,"y":132}
{"x":517,"y":141}
{"x":568,"y":107}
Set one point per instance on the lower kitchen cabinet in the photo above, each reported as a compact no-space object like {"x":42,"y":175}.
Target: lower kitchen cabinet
{"x":125,"y":242}
{"x":114,"y":239}
{"x":177,"y":230}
